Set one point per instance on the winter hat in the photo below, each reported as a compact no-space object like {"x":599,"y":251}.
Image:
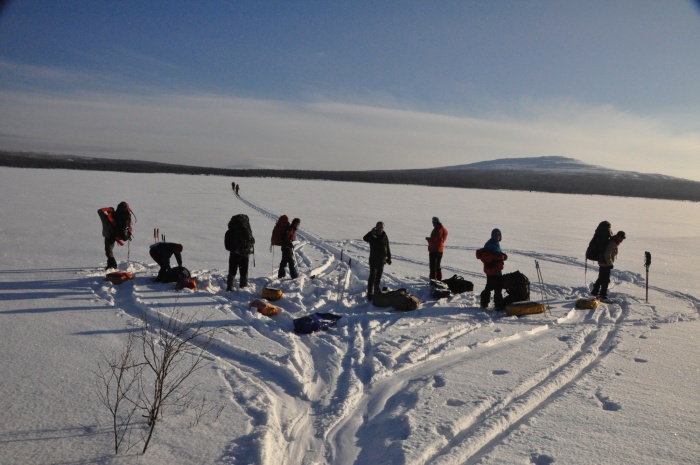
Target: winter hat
{"x":295,"y":222}
{"x":178,"y":247}
{"x":436,"y":220}
{"x":621,"y":235}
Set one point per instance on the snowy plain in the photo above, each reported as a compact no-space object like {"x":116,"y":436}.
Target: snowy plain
{"x":448,"y":383}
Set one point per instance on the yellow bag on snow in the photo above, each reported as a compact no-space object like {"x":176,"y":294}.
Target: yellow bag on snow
{"x":271,"y":293}
{"x":524,"y":308}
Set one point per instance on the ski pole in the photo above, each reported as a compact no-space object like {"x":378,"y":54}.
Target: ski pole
{"x":647,"y":264}
{"x":542,"y":289}
{"x":347,"y":272}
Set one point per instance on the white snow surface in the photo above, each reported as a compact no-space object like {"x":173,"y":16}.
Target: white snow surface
{"x":448,"y":383}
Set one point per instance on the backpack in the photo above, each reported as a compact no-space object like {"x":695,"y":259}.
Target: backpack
{"x":601,"y":237}
{"x":117,"y":222}
{"x":399,"y":299}
{"x":315,"y":322}
{"x":239,"y":237}
{"x":175,"y":275}
{"x":122,"y":221}
{"x":518,"y":287}
{"x":458,"y":284}
{"x":278,"y":231}
{"x":439,"y":289}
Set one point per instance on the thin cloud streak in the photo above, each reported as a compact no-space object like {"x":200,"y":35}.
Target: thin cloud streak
{"x":224,"y":131}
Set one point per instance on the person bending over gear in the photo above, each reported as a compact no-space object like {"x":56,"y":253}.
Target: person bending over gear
{"x":290,"y":235}
{"x":493,"y":257}
{"x":119,"y":230}
{"x":605,"y":266}
{"x":379,"y":254}
{"x":161,"y":253}
{"x":436,"y":246}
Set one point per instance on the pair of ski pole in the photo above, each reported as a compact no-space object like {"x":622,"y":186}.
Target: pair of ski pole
{"x":542,"y":288}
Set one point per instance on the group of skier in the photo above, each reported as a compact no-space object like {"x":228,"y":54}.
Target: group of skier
{"x":240,"y":243}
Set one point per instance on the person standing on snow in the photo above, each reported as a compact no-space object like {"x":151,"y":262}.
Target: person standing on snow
{"x":605,"y":266}
{"x":493,"y":257}
{"x":436,"y":246}
{"x":290,"y":235}
{"x":379,"y":254}
{"x":116,"y":227}
{"x":240,"y":243}
{"x":161,"y":253}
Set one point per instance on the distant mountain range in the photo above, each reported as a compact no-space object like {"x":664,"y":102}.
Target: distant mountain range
{"x":554,"y":174}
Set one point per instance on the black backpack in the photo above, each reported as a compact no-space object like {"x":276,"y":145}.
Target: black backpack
{"x":174,"y":275}
{"x":122,"y":221}
{"x":239,"y":237}
{"x":601,"y":237}
{"x":518,"y":287}
{"x":458,"y":284}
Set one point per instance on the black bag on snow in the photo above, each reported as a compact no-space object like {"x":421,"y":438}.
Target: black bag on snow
{"x":439,"y":289}
{"x":596,"y":246}
{"x":174,"y":275}
{"x":315,"y":322}
{"x":517,"y":286}
{"x":239,"y":237}
{"x":399,"y":299}
{"x":458,"y":284}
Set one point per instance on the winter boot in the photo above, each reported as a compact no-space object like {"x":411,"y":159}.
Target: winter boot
{"x":229,"y":283}
{"x":111,"y":263}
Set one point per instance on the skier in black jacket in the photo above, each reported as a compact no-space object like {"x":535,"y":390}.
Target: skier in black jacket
{"x":379,"y":254}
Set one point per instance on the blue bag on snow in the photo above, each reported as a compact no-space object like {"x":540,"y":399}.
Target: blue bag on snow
{"x":315,"y":322}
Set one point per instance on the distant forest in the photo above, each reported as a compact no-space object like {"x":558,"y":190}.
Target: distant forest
{"x":615,"y":183}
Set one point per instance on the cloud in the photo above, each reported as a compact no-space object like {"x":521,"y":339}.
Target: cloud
{"x":216,"y":130}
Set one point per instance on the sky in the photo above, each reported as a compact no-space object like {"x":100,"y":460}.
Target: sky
{"x":354,"y":85}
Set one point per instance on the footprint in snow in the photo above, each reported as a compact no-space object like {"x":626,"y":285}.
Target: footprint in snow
{"x":439,"y":382}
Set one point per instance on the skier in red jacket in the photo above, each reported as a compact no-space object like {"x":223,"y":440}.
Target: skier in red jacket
{"x":436,"y":246}
{"x":493,"y":258}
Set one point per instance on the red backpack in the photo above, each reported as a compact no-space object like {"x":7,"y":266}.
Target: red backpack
{"x":278,"y":231}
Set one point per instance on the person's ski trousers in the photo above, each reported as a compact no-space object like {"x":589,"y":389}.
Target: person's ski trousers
{"x":601,"y":285}
{"x":237,"y":263}
{"x":288,"y":260}
{"x":493,"y":283}
{"x":375,"y":276}
{"x":435,"y":261}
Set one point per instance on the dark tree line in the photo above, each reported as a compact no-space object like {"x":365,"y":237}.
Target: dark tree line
{"x":619,"y":183}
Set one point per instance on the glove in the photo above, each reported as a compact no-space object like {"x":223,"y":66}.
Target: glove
{"x":505,"y":257}
{"x":388,"y":261}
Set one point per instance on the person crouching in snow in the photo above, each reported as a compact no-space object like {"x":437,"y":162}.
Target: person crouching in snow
{"x":493,"y":257}
{"x":161,"y":253}
{"x":436,"y":246}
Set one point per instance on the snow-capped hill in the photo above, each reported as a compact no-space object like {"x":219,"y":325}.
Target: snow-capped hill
{"x":549,"y":163}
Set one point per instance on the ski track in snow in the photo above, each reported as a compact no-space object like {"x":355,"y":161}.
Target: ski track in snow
{"x":320,"y":398}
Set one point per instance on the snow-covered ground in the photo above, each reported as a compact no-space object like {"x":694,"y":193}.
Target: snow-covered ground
{"x":446,"y":384}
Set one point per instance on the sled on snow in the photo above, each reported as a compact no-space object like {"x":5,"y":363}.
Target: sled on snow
{"x":118,"y":277}
{"x":271,"y":293}
{"x":264,"y":307}
{"x":399,"y":299}
{"x":587,"y":303}
{"x":524,"y":308}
